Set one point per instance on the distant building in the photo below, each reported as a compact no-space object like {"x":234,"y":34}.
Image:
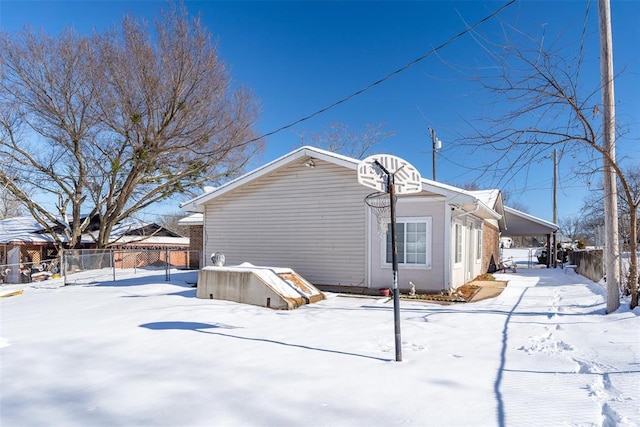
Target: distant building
{"x":25,"y":243}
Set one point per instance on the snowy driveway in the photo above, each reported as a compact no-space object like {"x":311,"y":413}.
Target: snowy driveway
{"x":144,"y":352}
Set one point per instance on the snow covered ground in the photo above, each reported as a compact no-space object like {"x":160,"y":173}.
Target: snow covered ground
{"x":145,"y":352}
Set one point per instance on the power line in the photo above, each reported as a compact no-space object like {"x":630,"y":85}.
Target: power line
{"x":385,"y":78}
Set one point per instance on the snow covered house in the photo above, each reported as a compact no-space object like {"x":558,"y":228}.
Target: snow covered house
{"x":306,"y":211}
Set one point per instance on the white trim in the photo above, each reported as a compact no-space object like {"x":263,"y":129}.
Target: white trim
{"x":479,"y":237}
{"x":368,"y":246}
{"x":457,"y":264}
{"x":448,"y":261}
{"x":428,"y":220}
{"x":421,"y":199}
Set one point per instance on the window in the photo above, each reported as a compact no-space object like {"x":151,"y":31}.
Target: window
{"x":479,"y":245}
{"x":458,"y":243}
{"x":413,"y":236}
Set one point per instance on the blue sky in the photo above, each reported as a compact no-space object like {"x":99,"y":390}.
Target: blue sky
{"x":299,"y":57}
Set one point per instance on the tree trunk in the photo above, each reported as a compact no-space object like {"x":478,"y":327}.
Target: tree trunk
{"x":633,"y":257}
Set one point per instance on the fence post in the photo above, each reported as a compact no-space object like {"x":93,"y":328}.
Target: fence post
{"x":113,"y":263}
{"x":166,"y":265}
{"x":63,"y":267}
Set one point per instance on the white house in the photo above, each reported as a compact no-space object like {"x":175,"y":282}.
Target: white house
{"x":306,"y":211}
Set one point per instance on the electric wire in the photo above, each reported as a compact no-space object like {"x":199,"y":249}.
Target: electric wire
{"x":385,"y":78}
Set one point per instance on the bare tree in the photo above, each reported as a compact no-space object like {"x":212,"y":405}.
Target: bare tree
{"x":112,"y":123}
{"x":593,"y":213}
{"x":10,"y":206}
{"x":470,"y":186}
{"x":338,"y":138}
{"x":548,"y":108}
{"x":170,"y":222}
{"x":592,"y":217}
{"x":570,"y":227}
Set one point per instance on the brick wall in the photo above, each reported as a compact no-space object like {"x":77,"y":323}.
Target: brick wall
{"x":196,"y":243}
{"x":490,"y":245}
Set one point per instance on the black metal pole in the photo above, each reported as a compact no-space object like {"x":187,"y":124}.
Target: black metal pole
{"x":394,"y":260}
{"x":391,"y":189}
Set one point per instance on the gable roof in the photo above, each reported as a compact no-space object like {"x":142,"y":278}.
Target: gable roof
{"x":193,"y":219}
{"x":454,"y":195}
{"x":493,"y":200}
{"x":524,"y":224}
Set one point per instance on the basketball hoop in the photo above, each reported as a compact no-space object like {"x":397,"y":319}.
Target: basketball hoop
{"x":380,"y":204}
{"x":389,"y":176}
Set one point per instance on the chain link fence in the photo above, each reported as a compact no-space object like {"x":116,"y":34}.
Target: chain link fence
{"x":91,"y":265}
{"x":84,"y":266}
{"x":27,"y":272}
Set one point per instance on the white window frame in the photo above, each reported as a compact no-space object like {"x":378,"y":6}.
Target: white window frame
{"x":458,"y":244}
{"x":428,"y":244}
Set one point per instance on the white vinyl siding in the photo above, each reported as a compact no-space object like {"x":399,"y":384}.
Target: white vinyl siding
{"x":308,"y":219}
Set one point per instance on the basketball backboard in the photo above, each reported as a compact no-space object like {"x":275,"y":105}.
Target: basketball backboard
{"x":406,"y":178}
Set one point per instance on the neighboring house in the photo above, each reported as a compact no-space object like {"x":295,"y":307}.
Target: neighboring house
{"x":196,"y":244}
{"x":24,"y":242}
{"x":306,"y":211}
{"x":20,"y":242}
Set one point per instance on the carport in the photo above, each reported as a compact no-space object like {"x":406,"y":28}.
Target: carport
{"x":521,"y":224}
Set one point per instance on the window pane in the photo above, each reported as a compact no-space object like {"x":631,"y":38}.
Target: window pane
{"x":412,"y":243}
{"x":399,"y":241}
{"x":458,"y":247}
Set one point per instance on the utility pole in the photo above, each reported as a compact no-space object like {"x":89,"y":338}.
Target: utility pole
{"x":436,"y":144}
{"x":611,"y":248}
{"x":555,"y":208}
